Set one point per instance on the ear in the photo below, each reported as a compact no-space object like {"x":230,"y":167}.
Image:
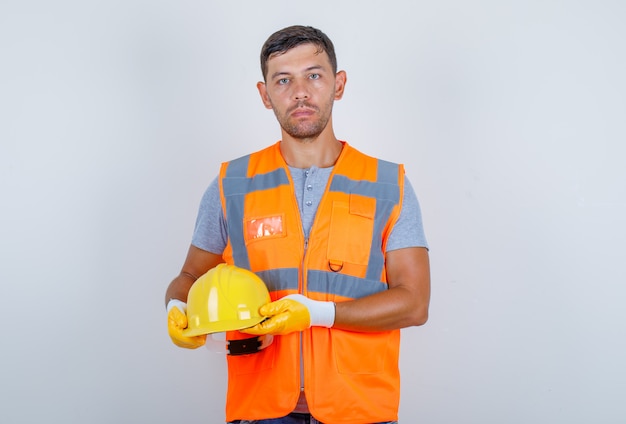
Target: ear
{"x":263,"y":92}
{"x":340,"y":84}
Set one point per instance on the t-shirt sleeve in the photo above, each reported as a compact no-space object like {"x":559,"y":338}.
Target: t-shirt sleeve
{"x":408,"y":230}
{"x":210,"y":232}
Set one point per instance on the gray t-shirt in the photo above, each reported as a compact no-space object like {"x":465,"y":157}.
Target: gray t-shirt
{"x":211,"y":233}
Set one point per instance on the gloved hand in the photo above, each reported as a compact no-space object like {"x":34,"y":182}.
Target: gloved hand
{"x":294,"y":312}
{"x":177,"y":322}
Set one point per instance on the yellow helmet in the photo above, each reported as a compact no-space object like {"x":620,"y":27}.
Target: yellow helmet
{"x":225,"y":298}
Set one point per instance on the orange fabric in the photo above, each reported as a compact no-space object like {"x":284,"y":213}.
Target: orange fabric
{"x":349,"y":377}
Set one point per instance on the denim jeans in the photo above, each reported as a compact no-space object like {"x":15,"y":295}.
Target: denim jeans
{"x":292,"y":418}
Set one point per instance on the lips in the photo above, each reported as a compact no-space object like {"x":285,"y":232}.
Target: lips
{"x":302,"y":111}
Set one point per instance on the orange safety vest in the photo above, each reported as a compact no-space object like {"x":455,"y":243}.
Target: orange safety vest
{"x":349,"y":377}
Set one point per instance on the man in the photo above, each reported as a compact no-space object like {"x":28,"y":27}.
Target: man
{"x":336,"y":236}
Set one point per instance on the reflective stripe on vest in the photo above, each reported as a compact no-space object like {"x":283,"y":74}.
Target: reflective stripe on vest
{"x":236,"y":186}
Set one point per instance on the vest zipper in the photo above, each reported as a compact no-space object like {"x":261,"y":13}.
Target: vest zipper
{"x":306,"y":245}
{"x":302,"y":288}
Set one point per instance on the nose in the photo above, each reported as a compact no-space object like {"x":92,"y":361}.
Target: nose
{"x":300,"y":91}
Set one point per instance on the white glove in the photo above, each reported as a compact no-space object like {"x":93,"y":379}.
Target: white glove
{"x":322,"y":313}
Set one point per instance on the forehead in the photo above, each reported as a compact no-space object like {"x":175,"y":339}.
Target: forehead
{"x":299,"y":58}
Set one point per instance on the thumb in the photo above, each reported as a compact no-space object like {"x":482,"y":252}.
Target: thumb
{"x":178,"y":318}
{"x":274,"y":308}
{"x":260,"y":329}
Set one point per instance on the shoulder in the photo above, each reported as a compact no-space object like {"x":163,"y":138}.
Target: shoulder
{"x":239,"y":166}
{"x":356,"y":153}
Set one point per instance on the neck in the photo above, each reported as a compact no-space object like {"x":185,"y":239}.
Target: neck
{"x":305,"y":154}
{"x":321,"y":151}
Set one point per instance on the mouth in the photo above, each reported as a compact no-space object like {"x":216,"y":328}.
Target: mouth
{"x":302,"y":111}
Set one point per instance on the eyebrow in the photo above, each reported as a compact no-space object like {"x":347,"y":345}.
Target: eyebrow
{"x":283,"y":73}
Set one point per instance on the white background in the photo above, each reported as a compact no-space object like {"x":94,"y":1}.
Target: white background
{"x":510,"y":119}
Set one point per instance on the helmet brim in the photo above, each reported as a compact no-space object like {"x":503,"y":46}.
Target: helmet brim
{"x":222,"y":326}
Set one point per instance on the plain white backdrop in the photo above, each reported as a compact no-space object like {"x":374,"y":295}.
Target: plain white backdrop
{"x":509,"y":117}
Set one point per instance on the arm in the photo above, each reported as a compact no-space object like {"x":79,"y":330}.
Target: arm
{"x":197,"y":263}
{"x":404,"y":304}
{"x":406,"y":301}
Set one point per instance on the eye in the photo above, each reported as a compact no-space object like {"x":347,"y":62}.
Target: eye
{"x":314,"y":76}
{"x":283,"y":81}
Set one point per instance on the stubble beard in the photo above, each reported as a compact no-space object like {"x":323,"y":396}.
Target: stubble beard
{"x":305,"y":131}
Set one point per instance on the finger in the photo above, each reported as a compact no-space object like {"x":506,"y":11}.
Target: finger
{"x":276,"y":307}
{"x":178,"y":318}
{"x":274,"y":325}
{"x":189,"y":342}
{"x":259,"y":329}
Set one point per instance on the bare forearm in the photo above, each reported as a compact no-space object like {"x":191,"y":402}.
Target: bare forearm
{"x":393,"y":309}
{"x":404,"y":304}
{"x":179,"y":287}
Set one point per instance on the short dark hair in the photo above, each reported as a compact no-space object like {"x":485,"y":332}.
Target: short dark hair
{"x":287,"y":38}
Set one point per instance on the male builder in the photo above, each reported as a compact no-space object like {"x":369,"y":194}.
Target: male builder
{"x":336,"y":236}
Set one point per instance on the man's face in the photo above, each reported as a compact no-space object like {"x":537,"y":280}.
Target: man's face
{"x":300,"y":88}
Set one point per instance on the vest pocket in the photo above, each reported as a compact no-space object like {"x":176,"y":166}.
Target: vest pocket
{"x":351,"y":230}
{"x":371,"y":348}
